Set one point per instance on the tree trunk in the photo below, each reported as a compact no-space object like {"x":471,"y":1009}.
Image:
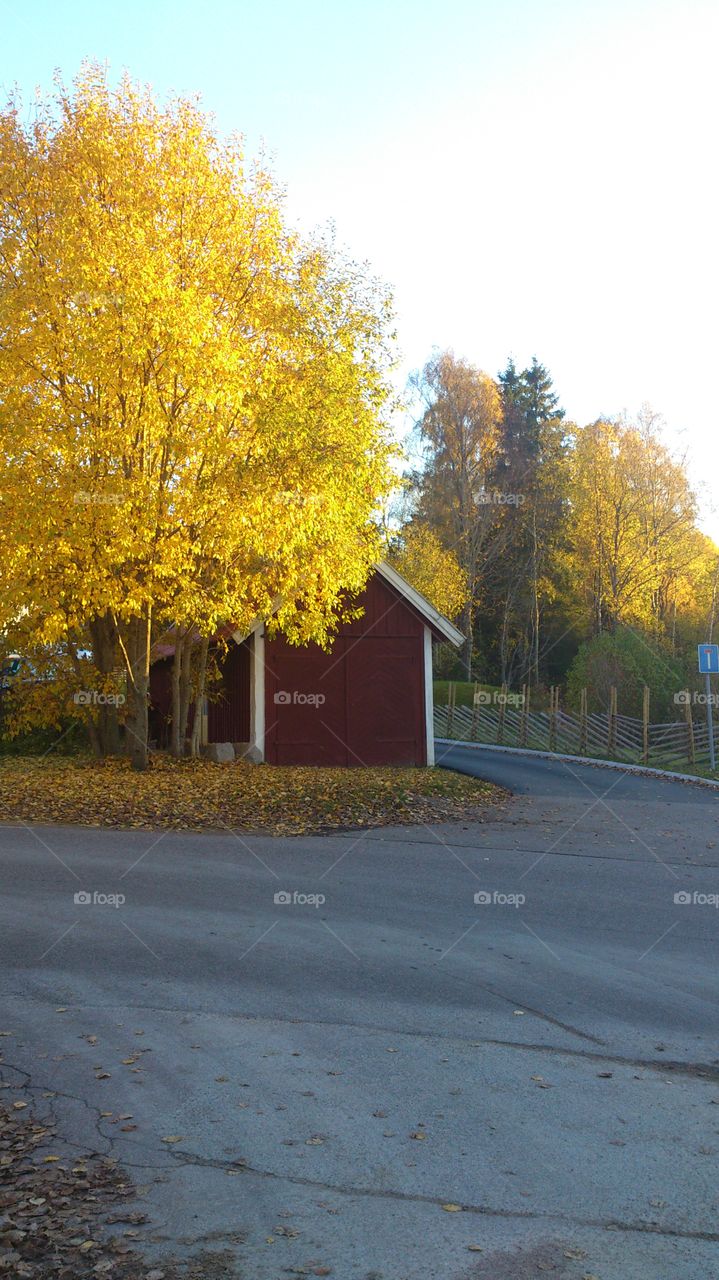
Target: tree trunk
{"x":93,"y":735}
{"x":185,"y":686}
{"x":139,"y":689}
{"x":175,"y":726}
{"x":504,"y":641}
{"x":535,"y":601}
{"x":181,"y":690}
{"x":199,"y":698}
{"x":466,"y":654}
{"x":104,"y":649}
{"x":90,"y":723}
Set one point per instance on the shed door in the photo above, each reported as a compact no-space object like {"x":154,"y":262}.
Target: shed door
{"x":371,"y":709}
{"x":305,"y":704}
{"x":385,"y":701}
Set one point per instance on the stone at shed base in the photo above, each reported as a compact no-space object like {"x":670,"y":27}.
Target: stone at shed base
{"x":219,"y":752}
{"x":249,"y":752}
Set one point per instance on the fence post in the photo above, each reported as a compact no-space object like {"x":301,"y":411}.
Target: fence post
{"x":690,"y":732}
{"x":549,"y":720}
{"x":525,"y":714}
{"x":612,"y":721}
{"x":474,"y":731}
{"x":500,"y":722}
{"x":553,"y":709}
{"x":645,"y":725}
{"x":451,"y":695}
{"x":583,"y":723}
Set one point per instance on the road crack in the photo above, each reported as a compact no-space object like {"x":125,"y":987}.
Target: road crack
{"x":187,"y":1158}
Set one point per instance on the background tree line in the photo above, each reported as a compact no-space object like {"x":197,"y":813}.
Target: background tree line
{"x":575,"y":550}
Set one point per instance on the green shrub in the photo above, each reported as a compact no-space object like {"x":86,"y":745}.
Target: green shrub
{"x":627,"y":660}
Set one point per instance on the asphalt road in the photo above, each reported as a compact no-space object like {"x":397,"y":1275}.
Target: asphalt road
{"x":555,"y":1043}
{"x":545,"y":776}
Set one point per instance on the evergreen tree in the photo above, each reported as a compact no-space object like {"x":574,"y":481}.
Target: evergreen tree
{"x":530,"y":473}
{"x":540,"y":401}
{"x":532,"y":415}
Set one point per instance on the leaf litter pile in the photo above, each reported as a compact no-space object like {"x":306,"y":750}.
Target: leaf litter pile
{"x":64,"y":1217}
{"x":197,"y":795}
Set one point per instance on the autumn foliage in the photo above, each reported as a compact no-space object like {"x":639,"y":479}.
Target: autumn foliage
{"x":193,"y":398}
{"x":565,"y":534}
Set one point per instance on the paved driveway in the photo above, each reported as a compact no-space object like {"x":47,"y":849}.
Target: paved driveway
{"x":546,"y":1058}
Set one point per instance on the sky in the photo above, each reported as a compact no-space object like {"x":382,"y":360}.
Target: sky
{"x":531,"y":177}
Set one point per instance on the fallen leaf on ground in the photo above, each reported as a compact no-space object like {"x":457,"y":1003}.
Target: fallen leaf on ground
{"x":196,"y":795}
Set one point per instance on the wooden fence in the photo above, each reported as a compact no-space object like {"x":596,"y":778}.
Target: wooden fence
{"x":506,"y":719}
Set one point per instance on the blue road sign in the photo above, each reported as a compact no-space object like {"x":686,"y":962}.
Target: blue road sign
{"x":708,"y":659}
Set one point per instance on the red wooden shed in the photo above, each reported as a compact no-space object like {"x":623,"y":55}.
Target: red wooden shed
{"x":367,"y":702}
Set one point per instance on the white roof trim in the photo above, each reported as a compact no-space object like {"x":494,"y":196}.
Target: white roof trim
{"x":240,"y":636}
{"x":431,"y":615}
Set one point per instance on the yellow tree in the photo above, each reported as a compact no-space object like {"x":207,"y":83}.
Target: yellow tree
{"x":459,"y":428}
{"x":631,"y":530}
{"x":431,"y":568}
{"x":193,"y":397}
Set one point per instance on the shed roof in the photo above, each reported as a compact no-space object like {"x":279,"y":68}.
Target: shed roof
{"x":441,"y":627}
